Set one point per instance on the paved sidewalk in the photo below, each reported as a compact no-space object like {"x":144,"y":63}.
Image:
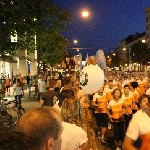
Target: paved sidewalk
{"x":27,"y":103}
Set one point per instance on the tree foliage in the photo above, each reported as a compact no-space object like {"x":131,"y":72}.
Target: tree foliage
{"x":30,"y":17}
{"x":115,"y":60}
{"x":140,"y":53}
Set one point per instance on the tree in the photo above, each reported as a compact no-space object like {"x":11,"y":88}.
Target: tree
{"x":140,"y":53}
{"x":115,"y":60}
{"x":29,"y":17}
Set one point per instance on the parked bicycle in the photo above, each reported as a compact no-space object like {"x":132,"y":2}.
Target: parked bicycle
{"x":8,"y":116}
{"x":17,"y":106}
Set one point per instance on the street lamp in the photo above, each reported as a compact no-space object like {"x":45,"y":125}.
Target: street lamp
{"x":143,"y":40}
{"x":75,"y":41}
{"x":85,"y":14}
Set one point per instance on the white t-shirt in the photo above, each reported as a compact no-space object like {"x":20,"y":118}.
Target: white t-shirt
{"x":141,"y":82}
{"x":56,"y":106}
{"x":72,"y":136}
{"x":17,"y":90}
{"x":148,"y":92}
{"x":139,"y":125}
{"x":107,"y":90}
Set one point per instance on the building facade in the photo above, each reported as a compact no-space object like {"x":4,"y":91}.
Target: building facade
{"x":147,"y":15}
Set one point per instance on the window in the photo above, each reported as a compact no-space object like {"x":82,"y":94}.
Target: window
{"x":146,"y":27}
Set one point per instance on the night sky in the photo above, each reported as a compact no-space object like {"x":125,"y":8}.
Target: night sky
{"x":110,"y":22}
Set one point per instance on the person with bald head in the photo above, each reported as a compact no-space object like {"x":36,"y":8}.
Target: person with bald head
{"x":43,"y":126}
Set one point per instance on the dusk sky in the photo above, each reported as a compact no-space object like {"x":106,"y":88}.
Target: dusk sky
{"x":110,"y":22}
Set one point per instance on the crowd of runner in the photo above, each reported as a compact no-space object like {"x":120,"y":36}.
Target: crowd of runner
{"x":113,"y":105}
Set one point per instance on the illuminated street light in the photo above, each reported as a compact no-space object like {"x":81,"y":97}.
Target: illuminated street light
{"x":75,"y":41}
{"x":143,"y":41}
{"x":85,"y":14}
{"x":114,"y":54}
{"x":124,"y":49}
{"x":77,"y":50}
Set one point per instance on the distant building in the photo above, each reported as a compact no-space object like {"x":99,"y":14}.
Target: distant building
{"x":124,"y":51}
{"x":147,"y":15}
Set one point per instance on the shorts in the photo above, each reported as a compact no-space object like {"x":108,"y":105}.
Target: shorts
{"x":7,"y":87}
{"x":119,"y":132}
{"x":101,"y":119}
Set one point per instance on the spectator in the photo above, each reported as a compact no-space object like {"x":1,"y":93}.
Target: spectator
{"x":22,"y":82}
{"x":49,"y":97}
{"x":29,"y":80}
{"x":73,"y":136}
{"x":8,"y":83}
{"x":43,"y":128}
{"x":139,"y":127}
{"x":11,"y":140}
{"x":17,"y":87}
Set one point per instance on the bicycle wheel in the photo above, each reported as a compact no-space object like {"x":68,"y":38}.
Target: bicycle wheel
{"x":14,"y":116}
{"x":21,"y":111}
{"x":5,"y":120}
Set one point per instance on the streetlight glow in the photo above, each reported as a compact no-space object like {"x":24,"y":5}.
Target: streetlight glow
{"x":85,"y":14}
{"x":75,"y":41}
{"x":143,"y":41}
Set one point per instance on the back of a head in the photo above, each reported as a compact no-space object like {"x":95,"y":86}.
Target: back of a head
{"x":13,"y":140}
{"x":51,"y":84}
{"x":18,"y":83}
{"x":40,"y":124}
{"x":66,"y":80}
{"x":71,"y":111}
{"x":134,"y":84}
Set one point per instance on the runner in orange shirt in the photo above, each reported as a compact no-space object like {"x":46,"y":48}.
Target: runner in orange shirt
{"x":133,"y":86}
{"x":142,"y":84}
{"x":115,"y":113}
{"x":108,"y":90}
{"x":139,"y":127}
{"x":100,"y":104}
{"x":128,"y":98}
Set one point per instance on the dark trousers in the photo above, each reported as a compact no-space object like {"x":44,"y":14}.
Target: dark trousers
{"x":118,"y":128}
{"x":127,"y":118}
{"x":18,"y":99}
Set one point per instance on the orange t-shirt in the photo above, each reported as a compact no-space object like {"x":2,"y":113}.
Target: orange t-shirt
{"x":8,"y":82}
{"x":109,"y":96}
{"x":142,"y":86}
{"x":22,"y":80}
{"x":102,"y":102}
{"x":117,"y":109}
{"x":128,"y":105}
{"x":108,"y":92}
{"x":145,"y":141}
{"x":136,"y":96}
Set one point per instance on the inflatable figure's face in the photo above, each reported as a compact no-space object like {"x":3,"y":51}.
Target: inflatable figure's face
{"x":83,"y":78}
